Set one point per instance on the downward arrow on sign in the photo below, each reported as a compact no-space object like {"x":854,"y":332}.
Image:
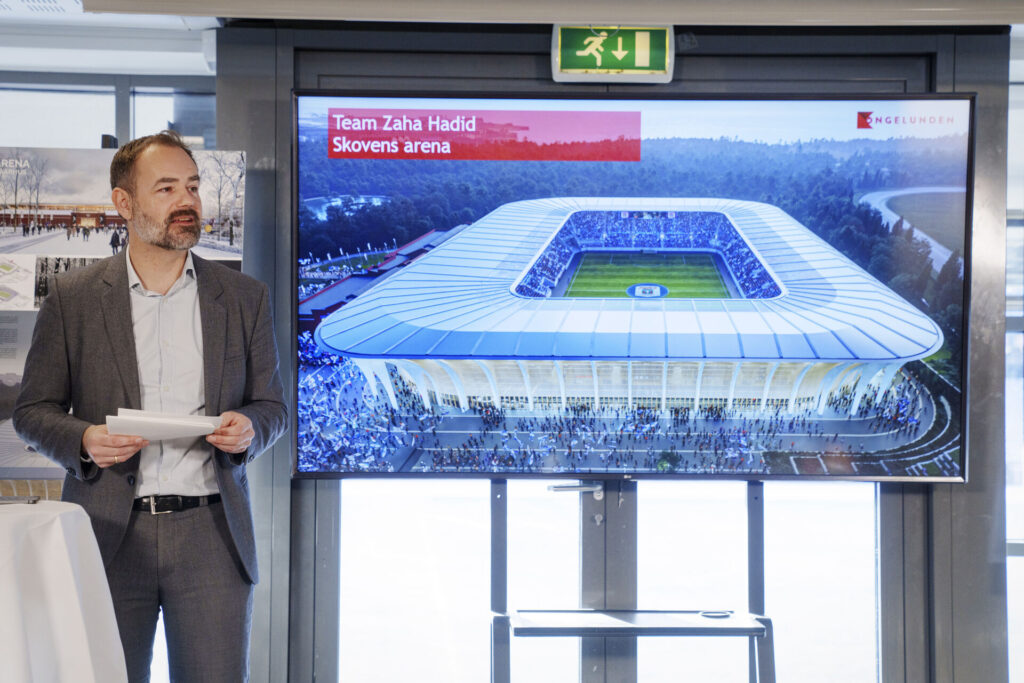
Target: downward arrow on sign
{"x":620,"y":53}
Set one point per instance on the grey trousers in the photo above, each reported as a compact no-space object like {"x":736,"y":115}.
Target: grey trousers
{"x":185,"y":563}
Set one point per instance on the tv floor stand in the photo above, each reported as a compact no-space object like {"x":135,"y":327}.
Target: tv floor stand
{"x":609,"y":622}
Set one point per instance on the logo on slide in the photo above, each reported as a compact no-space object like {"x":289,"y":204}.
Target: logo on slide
{"x":647,"y":291}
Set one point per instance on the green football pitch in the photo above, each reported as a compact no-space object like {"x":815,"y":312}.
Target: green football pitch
{"x":609,"y":274}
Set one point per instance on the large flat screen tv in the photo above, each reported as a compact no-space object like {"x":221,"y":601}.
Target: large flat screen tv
{"x":602,"y":286}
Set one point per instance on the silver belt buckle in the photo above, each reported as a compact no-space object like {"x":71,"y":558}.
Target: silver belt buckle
{"x":152,"y":507}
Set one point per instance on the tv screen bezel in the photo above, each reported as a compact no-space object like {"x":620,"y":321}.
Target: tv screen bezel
{"x":637,"y":94}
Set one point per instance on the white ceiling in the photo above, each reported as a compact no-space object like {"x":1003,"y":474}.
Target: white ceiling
{"x":58,"y":35}
{"x":71,"y":13}
{"x":679,"y":12}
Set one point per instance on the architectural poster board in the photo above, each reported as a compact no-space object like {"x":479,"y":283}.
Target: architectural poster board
{"x":56,"y":215}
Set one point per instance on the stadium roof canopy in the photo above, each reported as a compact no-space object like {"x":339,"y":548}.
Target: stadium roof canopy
{"x":457,"y":301}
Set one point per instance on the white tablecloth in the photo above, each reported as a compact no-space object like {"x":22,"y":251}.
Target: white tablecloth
{"x":56,"y":618}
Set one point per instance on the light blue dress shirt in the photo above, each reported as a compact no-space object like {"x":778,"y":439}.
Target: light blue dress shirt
{"x":169,"y":348}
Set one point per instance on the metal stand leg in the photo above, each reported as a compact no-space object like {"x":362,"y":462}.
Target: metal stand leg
{"x":765,"y":652}
{"x":608,"y":577}
{"x":501,"y":656}
{"x":755,"y":563}
{"x":501,"y":659}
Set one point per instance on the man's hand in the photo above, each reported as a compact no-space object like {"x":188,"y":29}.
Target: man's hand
{"x":235,"y":433}
{"x":106,"y":449}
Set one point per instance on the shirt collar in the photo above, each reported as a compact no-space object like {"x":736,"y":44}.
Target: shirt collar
{"x":135,"y":283}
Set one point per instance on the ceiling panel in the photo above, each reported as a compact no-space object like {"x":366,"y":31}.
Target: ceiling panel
{"x":615,"y":12}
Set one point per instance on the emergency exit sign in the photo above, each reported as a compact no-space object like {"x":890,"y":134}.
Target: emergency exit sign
{"x":634,"y":54}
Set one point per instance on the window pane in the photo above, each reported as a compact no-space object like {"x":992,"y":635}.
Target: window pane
{"x":1015,"y":204}
{"x":1015,"y":265}
{"x":1015,"y":436}
{"x":543,"y":547}
{"x":191,"y":114}
{"x":1015,"y":151}
{"x":545,"y":660}
{"x":821,"y":580}
{"x":670,"y":660}
{"x":415,"y":581}
{"x":1015,"y":614}
{"x":64,"y":118}
{"x":692,"y":554}
{"x":692,"y":545}
{"x":543,"y":573}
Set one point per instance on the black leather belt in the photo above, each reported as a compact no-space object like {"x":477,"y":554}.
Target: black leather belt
{"x":157,"y":505}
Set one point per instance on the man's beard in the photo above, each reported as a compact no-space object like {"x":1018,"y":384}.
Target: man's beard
{"x":181,"y":238}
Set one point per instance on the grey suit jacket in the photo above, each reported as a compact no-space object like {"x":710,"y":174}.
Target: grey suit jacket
{"x":82,"y":367}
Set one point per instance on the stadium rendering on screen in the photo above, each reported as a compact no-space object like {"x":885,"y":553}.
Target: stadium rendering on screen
{"x":595,"y":288}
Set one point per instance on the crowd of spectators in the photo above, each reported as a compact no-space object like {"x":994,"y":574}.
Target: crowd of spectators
{"x":547,"y":270}
{"x":583,"y":439}
{"x":710,"y":440}
{"x":344,"y":426}
{"x":316,"y":275}
{"x":656,"y":231}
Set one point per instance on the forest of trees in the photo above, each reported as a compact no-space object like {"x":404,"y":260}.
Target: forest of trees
{"x":818,"y":183}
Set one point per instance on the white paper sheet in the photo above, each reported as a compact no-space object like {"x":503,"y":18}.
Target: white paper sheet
{"x":213,"y":420}
{"x":155,"y":426}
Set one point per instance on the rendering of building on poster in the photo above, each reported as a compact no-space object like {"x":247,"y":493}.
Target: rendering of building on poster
{"x":752,"y":288}
{"x":56,"y":215}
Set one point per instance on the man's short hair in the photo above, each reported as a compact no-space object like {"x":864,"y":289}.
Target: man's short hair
{"x":122,"y":167}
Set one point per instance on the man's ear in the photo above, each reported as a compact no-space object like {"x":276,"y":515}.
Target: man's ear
{"x":122,"y":202}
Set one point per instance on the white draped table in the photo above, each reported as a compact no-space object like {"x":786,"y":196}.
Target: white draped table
{"x":57,"y":621}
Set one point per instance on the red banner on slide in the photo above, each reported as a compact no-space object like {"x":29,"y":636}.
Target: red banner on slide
{"x":483,"y":135}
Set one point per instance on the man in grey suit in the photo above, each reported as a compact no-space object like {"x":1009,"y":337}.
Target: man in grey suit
{"x":158,"y":328}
